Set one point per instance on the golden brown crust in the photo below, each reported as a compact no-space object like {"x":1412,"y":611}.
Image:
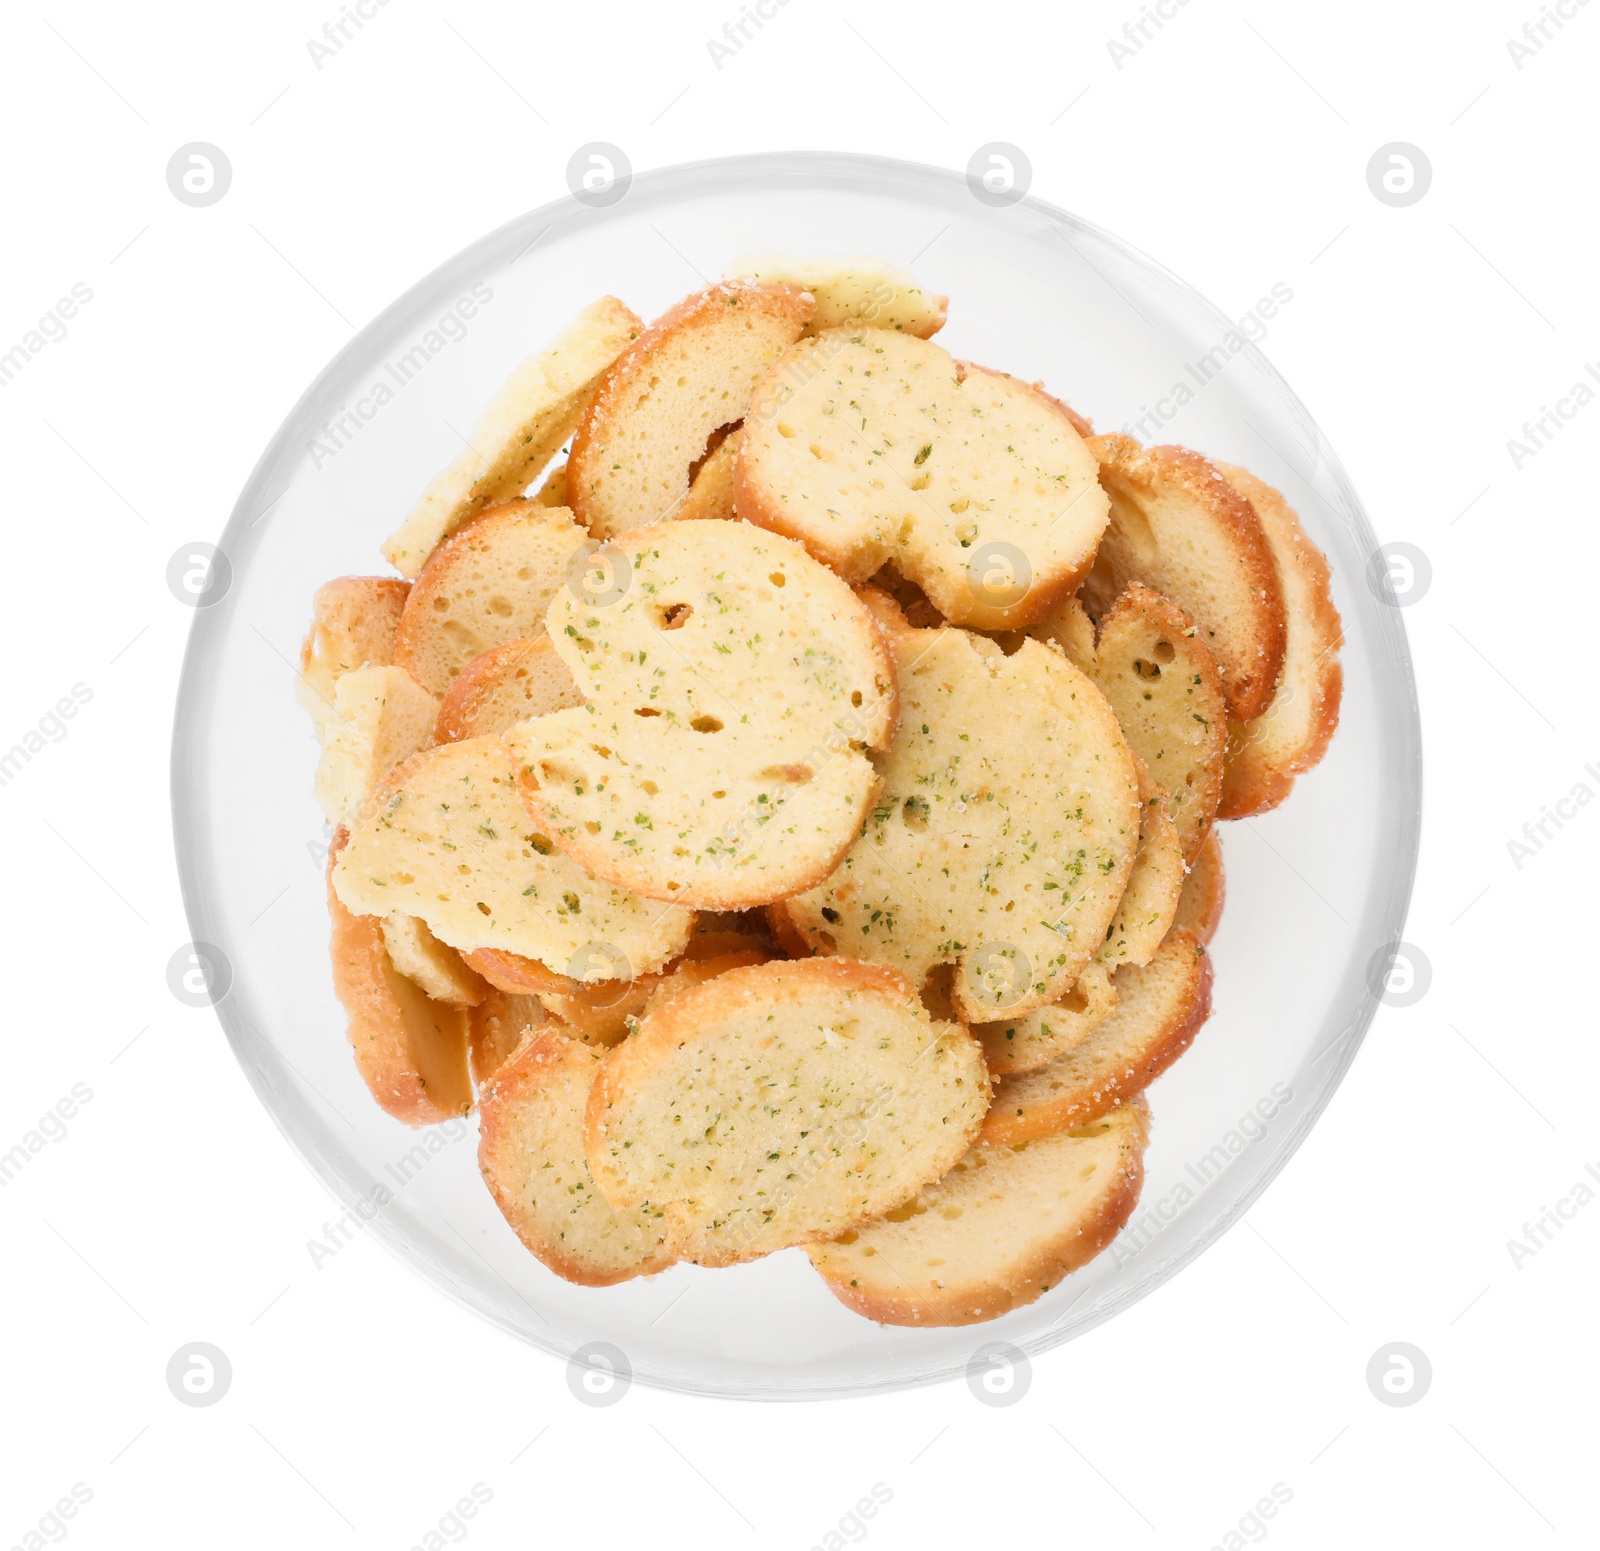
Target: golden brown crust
{"x":1200,"y":902}
{"x":428,"y":643}
{"x":527,"y":1100}
{"x":468,"y":709}
{"x":1120,"y":1059}
{"x":1292,"y":735}
{"x":788,"y":303}
{"x":1223,"y":537}
{"x":497,"y":1026}
{"x":970,"y":1295}
{"x":411,"y":1051}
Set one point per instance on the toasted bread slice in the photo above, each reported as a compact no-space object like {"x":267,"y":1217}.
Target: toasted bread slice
{"x":353,"y":623}
{"x":424,"y":960}
{"x":449,"y":841}
{"x":488,"y":584}
{"x":1002,"y":1228}
{"x":596,"y":1012}
{"x":1162,"y":682}
{"x":870,"y":446}
{"x":1180,"y":528}
{"x":1038,"y":1037}
{"x":731,"y":688}
{"x":695,"y":972}
{"x":1070,"y":628}
{"x":851,"y":290}
{"x":1151,"y":898}
{"x":506,"y":685}
{"x":1160,"y":1008}
{"x":411,"y":1051}
{"x":497,"y":1026}
{"x":711,"y":484}
{"x":688,"y":375}
{"x":531,"y":1156}
{"x":1292,"y":734}
{"x":522,"y":429}
{"x":381,"y":717}
{"x":999,"y":844}
{"x":782,"y":1103}
{"x":1200,"y":902}
{"x":599,"y":1009}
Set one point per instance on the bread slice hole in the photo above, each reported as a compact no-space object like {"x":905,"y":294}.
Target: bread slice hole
{"x":1164,"y":652}
{"x":778,"y":579}
{"x":1146,"y":670}
{"x":912,"y":1208}
{"x":827,"y":941}
{"x":646,"y":710}
{"x":676,"y":615}
{"x":914,"y":813}
{"x":706,"y":724}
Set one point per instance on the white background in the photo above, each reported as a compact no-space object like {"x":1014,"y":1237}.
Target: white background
{"x":1232,"y":146}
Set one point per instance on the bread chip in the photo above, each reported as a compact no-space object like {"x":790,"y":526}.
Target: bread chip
{"x":1160,"y":1008}
{"x":1003,"y":1227}
{"x":1151,"y":897}
{"x":695,"y":972}
{"x":782,"y":1103}
{"x":711,"y":484}
{"x":1180,"y":528}
{"x":531,"y":1156}
{"x":1292,"y":734}
{"x":411,"y":1052}
{"x":870,"y":446}
{"x":381,"y":717}
{"x":1003,"y":837}
{"x":599,"y":1008}
{"x":1162,"y":682}
{"x":497,"y":1026}
{"x":857,"y":288}
{"x":506,"y":685}
{"x":1038,"y":1037}
{"x":353,"y":621}
{"x":450,"y":842}
{"x":597,"y":1011}
{"x":427,"y":962}
{"x":530,"y":417}
{"x":687,"y":376}
{"x":1200,"y":902}
{"x":488,"y":584}
{"x":731,"y":684}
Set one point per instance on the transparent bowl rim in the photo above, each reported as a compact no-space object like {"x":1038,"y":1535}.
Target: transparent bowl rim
{"x":795,"y":170}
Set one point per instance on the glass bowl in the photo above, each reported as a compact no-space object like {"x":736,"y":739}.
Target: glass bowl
{"x":1314,"y":889}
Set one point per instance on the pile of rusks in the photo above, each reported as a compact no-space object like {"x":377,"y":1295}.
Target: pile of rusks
{"x":792,"y":824}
